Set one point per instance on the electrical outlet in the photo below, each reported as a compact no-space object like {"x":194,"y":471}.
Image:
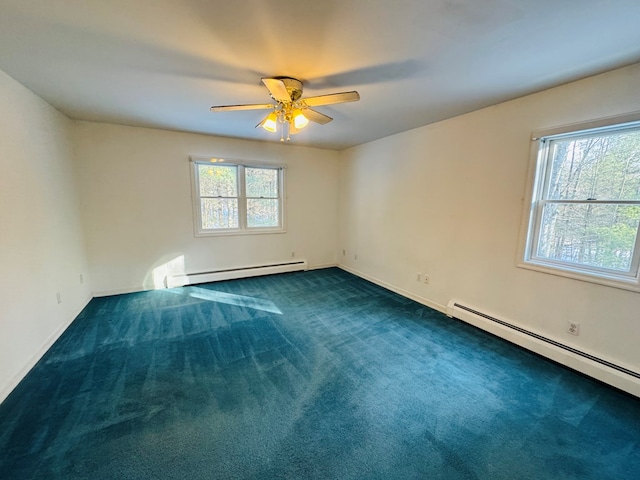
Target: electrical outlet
{"x":59,"y":297}
{"x":418,"y":277}
{"x":426,"y":279}
{"x":355,"y":256}
{"x":81,"y":278}
{"x":344,"y":252}
{"x":573,"y":328}
{"x":293,"y":254}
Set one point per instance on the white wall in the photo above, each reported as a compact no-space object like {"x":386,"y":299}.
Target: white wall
{"x":446,"y":199}
{"x":137,"y":210}
{"x":41,"y":244}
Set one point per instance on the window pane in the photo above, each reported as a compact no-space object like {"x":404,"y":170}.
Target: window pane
{"x":263,"y":212}
{"x":589,"y":234}
{"x":261,"y":182}
{"x":602,"y":167}
{"x":219,"y":213}
{"x":218,"y":180}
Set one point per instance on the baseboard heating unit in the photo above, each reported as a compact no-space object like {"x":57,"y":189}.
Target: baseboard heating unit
{"x":604,"y":370}
{"x":232,"y":273}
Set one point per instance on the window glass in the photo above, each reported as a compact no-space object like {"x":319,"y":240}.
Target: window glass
{"x":585,"y":212}
{"x":598,"y":167}
{"x":262,"y":212}
{"x":219,"y":213}
{"x":218,"y":180}
{"x":235,"y":198}
{"x":601,"y":236}
{"x":261,"y":182}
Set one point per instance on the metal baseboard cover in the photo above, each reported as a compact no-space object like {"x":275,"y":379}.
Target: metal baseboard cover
{"x":550,"y":341}
{"x":233,"y":273}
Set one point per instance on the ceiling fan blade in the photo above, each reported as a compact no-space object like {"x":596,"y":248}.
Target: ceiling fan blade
{"x":255,"y":106}
{"x":277,"y":89}
{"x":262,"y":122}
{"x":316,"y":116}
{"x":332,"y":98}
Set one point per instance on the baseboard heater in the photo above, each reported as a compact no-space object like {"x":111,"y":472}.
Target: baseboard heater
{"x":599,"y":368}
{"x":232,"y":273}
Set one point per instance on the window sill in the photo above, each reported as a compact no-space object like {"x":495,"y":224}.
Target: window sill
{"x":236,"y":232}
{"x":630,"y":283}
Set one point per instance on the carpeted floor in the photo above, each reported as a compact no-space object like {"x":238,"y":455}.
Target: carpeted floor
{"x":310,"y":375}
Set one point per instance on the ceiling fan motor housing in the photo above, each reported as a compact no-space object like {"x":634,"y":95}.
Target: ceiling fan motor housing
{"x":293,"y":86}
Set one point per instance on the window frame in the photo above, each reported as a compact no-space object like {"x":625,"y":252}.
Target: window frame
{"x":243,"y":228}
{"x":535,"y":199}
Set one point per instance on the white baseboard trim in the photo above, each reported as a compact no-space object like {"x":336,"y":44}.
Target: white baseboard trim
{"x":321,"y":266}
{"x":140,"y":288}
{"x":8,"y":387}
{"x":120,"y":291}
{"x":400,"y":291}
{"x":244,"y":271}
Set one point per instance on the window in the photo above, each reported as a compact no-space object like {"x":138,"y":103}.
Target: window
{"x":233,"y":198}
{"x":585,"y":208}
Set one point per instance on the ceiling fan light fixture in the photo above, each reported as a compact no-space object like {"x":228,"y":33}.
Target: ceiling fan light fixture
{"x":299,"y":120}
{"x":290,"y":110}
{"x":270,"y":123}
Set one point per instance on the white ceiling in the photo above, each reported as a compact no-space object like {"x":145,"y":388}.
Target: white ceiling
{"x":163,"y":63}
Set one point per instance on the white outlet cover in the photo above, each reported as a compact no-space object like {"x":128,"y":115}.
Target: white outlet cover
{"x":573,"y":328}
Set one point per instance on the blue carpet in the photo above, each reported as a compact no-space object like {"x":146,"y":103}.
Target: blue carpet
{"x":310,"y":375}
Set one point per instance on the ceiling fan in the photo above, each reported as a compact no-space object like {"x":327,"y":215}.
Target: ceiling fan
{"x":291,"y":111}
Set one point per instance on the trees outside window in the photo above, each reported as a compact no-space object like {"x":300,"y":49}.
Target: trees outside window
{"x":232,"y":198}
{"x":585,"y":211}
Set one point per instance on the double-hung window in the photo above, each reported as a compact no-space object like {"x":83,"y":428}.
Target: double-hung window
{"x":236,"y":198}
{"x":585,"y":205}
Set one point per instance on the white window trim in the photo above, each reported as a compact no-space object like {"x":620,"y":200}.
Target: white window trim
{"x":535,"y":178}
{"x":243,"y":229}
